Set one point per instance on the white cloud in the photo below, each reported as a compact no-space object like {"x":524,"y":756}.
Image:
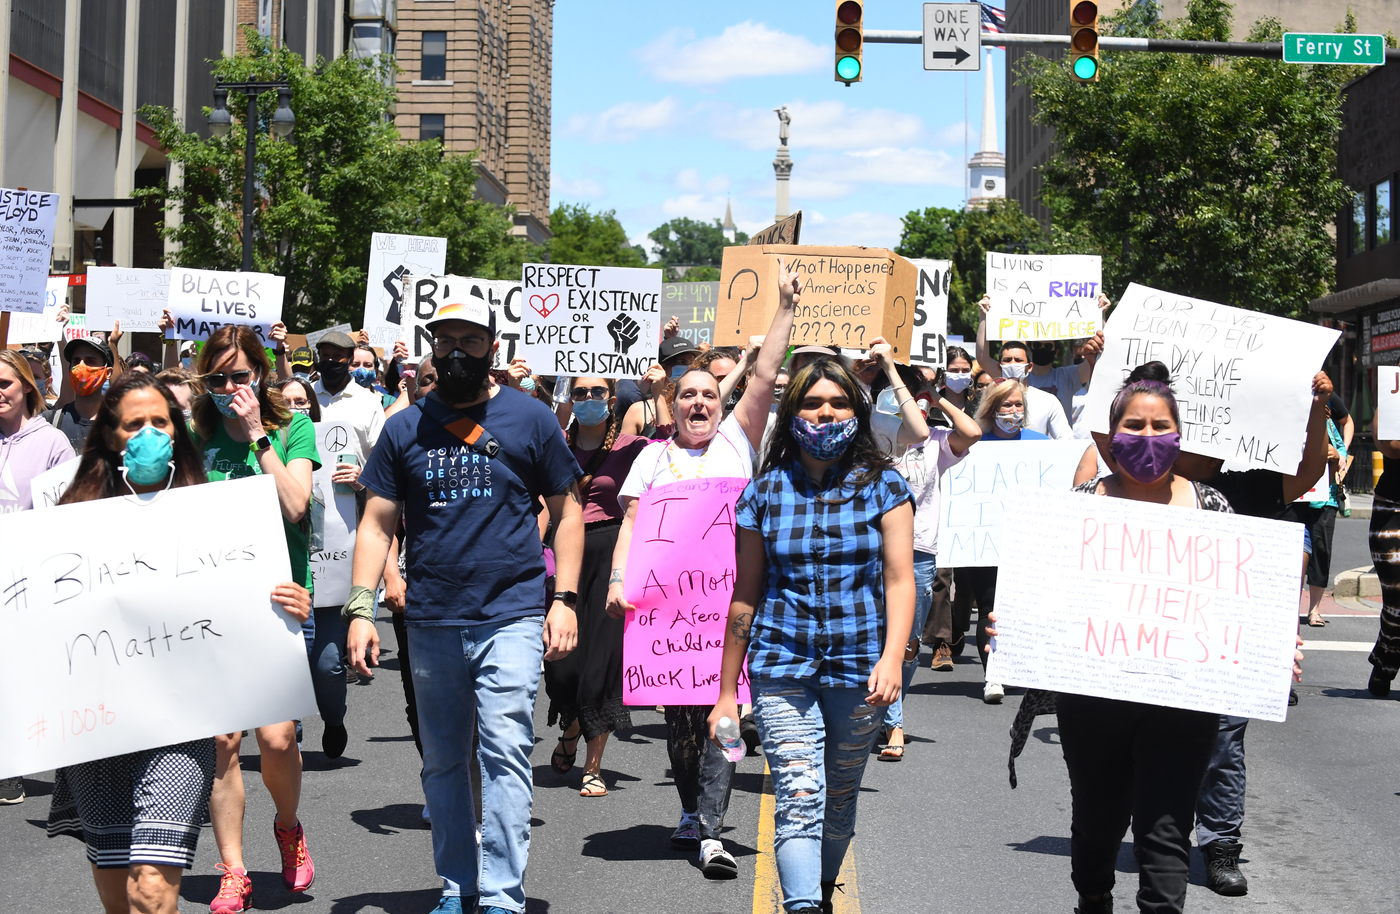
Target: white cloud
{"x":829,"y":176}
{"x":954,"y":134}
{"x":575,"y":189}
{"x":818,"y":125}
{"x":879,"y":230}
{"x":747,"y":49}
{"x":688,"y":179}
{"x":622,"y":122}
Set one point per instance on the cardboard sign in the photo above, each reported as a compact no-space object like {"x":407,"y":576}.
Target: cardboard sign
{"x":1242,"y":379}
{"x":137,"y":298}
{"x":975,"y":490}
{"x":202,"y":301}
{"x":930,"y":341}
{"x":680,"y":578}
{"x":392,"y":258}
{"x":1387,"y":401}
{"x":331,"y":565}
{"x":1043,"y":296}
{"x":1150,"y":603}
{"x":693,"y":304}
{"x":850,"y":295}
{"x":48,"y":487}
{"x":43,"y":327}
{"x":599,"y":321}
{"x":784,"y":231}
{"x":26,"y":246}
{"x":428,"y":293}
{"x":130,"y":645}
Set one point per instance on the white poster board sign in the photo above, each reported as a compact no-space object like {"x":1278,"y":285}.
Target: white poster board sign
{"x":44,"y":326}
{"x":426,"y":294}
{"x":1321,"y":490}
{"x":929,"y":344}
{"x":974,"y":490}
{"x":1387,"y":402}
{"x":1166,"y":606}
{"x":26,"y":246}
{"x":1242,"y":379}
{"x":392,"y":258}
{"x":331,"y":565}
{"x":48,"y":487}
{"x":599,"y":321}
{"x":129,"y":644}
{"x":314,"y":337}
{"x":137,"y":298}
{"x":202,"y":301}
{"x":1043,"y":296}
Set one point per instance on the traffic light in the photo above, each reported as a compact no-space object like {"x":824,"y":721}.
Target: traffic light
{"x":850,"y":37}
{"x":1084,"y":40}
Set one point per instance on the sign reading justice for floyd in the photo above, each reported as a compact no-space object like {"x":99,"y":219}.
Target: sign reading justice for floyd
{"x":599,"y":321}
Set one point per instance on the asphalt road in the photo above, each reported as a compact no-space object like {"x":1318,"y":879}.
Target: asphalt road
{"x":940,"y":831}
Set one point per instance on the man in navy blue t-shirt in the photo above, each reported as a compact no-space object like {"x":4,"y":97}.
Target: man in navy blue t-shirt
{"x":465,"y":467}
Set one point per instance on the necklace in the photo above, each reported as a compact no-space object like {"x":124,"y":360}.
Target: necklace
{"x":671,"y":463}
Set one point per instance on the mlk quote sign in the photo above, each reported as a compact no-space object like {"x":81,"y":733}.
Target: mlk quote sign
{"x":599,"y":321}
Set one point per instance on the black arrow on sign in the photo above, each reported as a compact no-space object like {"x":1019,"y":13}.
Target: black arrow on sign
{"x":957,"y":55}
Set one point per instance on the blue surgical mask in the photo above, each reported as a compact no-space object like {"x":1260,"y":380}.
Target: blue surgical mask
{"x":187,"y":362}
{"x":224,"y":403}
{"x":591,"y":412}
{"x":527,"y":383}
{"x":147,"y":458}
{"x":363,"y":376}
{"x":677,"y":371}
{"x":888,"y":402}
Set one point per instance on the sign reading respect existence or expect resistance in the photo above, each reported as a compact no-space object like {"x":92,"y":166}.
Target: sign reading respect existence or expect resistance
{"x":1043,"y":296}
{"x":1162,"y":605}
{"x":26,"y":244}
{"x":1242,"y":379}
{"x":929,"y":345}
{"x":599,"y":321}
{"x":680,"y":578}
{"x":130,"y":643}
{"x":136,"y":298}
{"x":426,"y":294}
{"x":392,"y":258}
{"x":202,"y":301}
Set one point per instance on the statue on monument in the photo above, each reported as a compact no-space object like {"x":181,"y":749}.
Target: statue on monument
{"x":784,"y":119}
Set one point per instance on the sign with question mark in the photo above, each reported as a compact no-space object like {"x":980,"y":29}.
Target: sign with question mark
{"x":930,"y":343}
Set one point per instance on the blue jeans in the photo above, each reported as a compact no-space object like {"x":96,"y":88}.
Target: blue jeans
{"x":1220,"y":806}
{"x":817,"y":741}
{"x":925,"y":568}
{"x":326,"y":648}
{"x":479,"y":678}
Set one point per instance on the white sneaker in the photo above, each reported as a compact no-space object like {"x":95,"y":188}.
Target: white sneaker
{"x":715,"y":861}
{"x":993,"y":693}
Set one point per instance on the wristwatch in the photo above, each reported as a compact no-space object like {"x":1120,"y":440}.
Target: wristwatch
{"x":262,"y":443}
{"x":567,"y":597}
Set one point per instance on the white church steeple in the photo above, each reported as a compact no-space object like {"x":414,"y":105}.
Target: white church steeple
{"x":987,"y":170}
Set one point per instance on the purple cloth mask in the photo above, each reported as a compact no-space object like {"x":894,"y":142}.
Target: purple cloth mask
{"x":1146,"y":458}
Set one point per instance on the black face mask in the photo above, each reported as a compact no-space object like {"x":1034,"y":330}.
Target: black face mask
{"x":460,"y":377}
{"x":334,"y":375}
{"x":1043,"y":355}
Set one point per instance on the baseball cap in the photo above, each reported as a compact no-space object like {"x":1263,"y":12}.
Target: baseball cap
{"x":470,"y":308}
{"x":302,"y":356}
{"x":96,"y":342}
{"x":337,"y":338}
{"x":676,"y":345}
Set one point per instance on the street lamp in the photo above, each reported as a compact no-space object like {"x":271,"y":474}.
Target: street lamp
{"x":283,"y":120}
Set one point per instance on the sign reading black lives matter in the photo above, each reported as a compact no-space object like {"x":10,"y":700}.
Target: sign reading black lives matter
{"x":202,"y":301}
{"x":599,"y":321}
{"x":426,"y":294}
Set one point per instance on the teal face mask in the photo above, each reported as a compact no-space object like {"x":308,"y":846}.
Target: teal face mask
{"x":146,"y":460}
{"x":224,"y":403}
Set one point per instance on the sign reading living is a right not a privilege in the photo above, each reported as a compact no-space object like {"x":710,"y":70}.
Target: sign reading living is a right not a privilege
{"x":1242,"y":379}
{"x":599,"y":321}
{"x":1043,"y":296}
{"x":202,"y":301}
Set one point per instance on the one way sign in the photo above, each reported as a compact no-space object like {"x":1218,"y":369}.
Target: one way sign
{"x":952,"y":36}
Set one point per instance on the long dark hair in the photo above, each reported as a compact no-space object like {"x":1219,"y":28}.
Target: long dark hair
{"x":864,"y":460}
{"x":270,"y":403}
{"x":99,"y":472}
{"x":609,"y":437}
{"x":314,"y":413}
{"x":1139,"y":389}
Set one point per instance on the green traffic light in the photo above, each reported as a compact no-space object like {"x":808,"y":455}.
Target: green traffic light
{"x":1086,"y":67}
{"x":848,"y":68}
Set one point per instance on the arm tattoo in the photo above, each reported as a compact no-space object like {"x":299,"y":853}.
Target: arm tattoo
{"x":616,"y":576}
{"x":741,"y":626}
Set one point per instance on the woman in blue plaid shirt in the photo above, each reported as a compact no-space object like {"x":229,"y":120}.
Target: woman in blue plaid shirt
{"x":823,"y":605}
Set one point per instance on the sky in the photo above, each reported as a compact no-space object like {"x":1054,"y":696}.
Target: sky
{"x":664,"y":109}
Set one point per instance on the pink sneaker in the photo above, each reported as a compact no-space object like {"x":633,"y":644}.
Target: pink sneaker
{"x":235,"y":891}
{"x":298,"y":872}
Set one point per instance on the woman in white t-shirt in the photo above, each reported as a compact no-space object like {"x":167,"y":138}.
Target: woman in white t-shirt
{"x":705,"y":445}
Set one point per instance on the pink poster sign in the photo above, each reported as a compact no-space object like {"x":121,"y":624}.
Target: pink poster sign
{"x":680,"y":578}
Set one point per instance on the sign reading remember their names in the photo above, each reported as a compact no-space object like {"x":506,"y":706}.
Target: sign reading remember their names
{"x":26,"y":246}
{"x":1043,"y":296}
{"x":136,"y":298}
{"x":202,"y":301}
{"x":1388,"y":403}
{"x":952,"y":36}
{"x":43,"y":327}
{"x":392,"y":258}
{"x":1242,"y":379}
{"x":975,"y":490}
{"x":426,"y":294}
{"x":599,"y":321}
{"x":929,"y":345}
{"x":1162,"y":605}
{"x":330,"y":567}
{"x":118,"y":656}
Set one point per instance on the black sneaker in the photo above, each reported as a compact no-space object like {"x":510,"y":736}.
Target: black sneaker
{"x":1223,"y":876}
{"x":1379,"y":686}
{"x":1103,"y":906}
{"x":333,"y":740}
{"x":748,"y":730}
{"x":11,"y":791}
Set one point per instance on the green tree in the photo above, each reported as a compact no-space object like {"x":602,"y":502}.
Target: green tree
{"x":343,"y":174}
{"x":1207,"y":177}
{"x":593,"y":239}
{"x":686,"y":242}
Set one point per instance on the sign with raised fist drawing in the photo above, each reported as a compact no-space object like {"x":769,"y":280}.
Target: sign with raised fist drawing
{"x":599,"y":321}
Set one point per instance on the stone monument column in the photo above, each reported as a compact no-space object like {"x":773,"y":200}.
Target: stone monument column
{"x":782,"y":165}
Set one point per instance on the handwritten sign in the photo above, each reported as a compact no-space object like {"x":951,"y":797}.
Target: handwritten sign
{"x":426,"y":294}
{"x":1043,"y":296}
{"x":784,"y":231}
{"x":43,"y":327}
{"x":1166,"y":606}
{"x":680,"y":576}
{"x":130,"y":645}
{"x":929,"y":345}
{"x":693,"y":305}
{"x":1242,"y":379}
{"x":48,"y":487}
{"x":598,"y":321}
{"x":202,"y":301}
{"x":392,"y":258}
{"x":1387,"y":403}
{"x":975,"y":491}
{"x":331,"y":564}
{"x":137,"y":298}
{"x":26,"y":246}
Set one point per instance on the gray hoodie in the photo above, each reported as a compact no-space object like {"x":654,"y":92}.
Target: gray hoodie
{"x":36,"y":447}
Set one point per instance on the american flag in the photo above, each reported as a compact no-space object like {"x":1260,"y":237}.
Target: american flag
{"x":993,"y":19}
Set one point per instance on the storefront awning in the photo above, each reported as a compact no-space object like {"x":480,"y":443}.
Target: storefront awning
{"x":1359,"y":297}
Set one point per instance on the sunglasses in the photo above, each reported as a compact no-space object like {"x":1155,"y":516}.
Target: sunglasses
{"x":219,"y":379}
{"x":584,"y":393}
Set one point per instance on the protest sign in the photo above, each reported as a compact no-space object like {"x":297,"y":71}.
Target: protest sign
{"x":1151,"y":603}
{"x":314,"y":337}
{"x":1242,"y":379}
{"x":392,"y":258}
{"x":44,"y":326}
{"x":426,"y":294}
{"x":331,"y":564}
{"x":599,"y":321}
{"x":975,"y":490}
{"x":136,"y":298}
{"x":1321,"y":490}
{"x":692,"y":304}
{"x":1043,"y":296}
{"x":131,"y":645}
{"x":26,"y":246}
{"x":929,"y":345}
{"x":75,"y":329}
{"x":1387,"y":402}
{"x":48,"y":487}
{"x":784,"y":231}
{"x":202,"y":301}
{"x":850,"y":295}
{"x":680,"y":578}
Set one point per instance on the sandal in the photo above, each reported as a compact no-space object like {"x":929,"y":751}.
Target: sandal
{"x":563,"y":762}
{"x":593,"y":785}
{"x":1315,"y":618}
{"x":890,"y":753}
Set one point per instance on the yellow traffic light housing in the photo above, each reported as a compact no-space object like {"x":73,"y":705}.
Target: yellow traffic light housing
{"x":850,"y":39}
{"x":1084,"y":40}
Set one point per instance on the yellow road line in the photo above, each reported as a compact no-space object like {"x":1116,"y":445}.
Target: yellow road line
{"x":767,"y":892}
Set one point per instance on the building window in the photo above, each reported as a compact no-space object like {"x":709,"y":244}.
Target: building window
{"x":434,"y":55}
{"x":432,"y":127}
{"x":1381,"y":195}
{"x":1356,"y":241}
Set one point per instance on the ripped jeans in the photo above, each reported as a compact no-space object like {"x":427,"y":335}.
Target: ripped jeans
{"x":817,"y":741}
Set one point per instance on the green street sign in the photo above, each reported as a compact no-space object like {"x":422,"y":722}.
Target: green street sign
{"x":1334,"y":47}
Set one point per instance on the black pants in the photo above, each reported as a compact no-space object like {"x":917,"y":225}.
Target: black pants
{"x":1139,"y":763}
{"x":1322,"y":524}
{"x":410,"y":702}
{"x":1385,"y":553}
{"x":702,"y":773}
{"x":981,"y":584}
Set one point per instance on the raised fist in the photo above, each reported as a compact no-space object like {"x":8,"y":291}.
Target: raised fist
{"x":624,"y":332}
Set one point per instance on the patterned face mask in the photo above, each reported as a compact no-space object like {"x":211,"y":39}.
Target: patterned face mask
{"x":827,"y":441}
{"x":1011,"y":421}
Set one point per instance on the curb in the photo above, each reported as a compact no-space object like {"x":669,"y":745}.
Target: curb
{"x":1356,"y":582}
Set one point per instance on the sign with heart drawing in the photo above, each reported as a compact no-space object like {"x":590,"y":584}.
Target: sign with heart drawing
{"x":544,"y":305}
{"x":597,"y":321}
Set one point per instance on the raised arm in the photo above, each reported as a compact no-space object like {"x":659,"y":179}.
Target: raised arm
{"x":984,"y":348}
{"x":1316,"y":445}
{"x":966,"y":432}
{"x":752,"y":411}
{"x":914,"y":427}
{"x":731,"y":380}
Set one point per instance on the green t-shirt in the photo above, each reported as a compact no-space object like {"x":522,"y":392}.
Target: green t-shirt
{"x":225,"y":458}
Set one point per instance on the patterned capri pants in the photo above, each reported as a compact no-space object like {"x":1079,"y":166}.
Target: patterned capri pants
{"x":1385,"y":553}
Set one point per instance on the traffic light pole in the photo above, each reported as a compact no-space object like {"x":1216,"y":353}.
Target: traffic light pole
{"x":1268,"y":50}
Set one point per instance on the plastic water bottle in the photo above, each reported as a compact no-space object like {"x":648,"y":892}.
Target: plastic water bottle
{"x":727,"y":732}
